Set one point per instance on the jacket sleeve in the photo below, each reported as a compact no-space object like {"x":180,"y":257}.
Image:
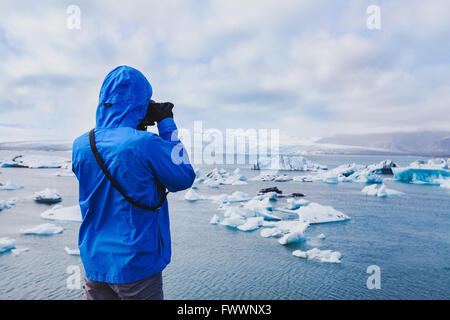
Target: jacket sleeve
{"x":169,"y":160}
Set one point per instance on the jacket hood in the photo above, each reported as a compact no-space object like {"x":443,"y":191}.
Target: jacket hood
{"x":124,"y":98}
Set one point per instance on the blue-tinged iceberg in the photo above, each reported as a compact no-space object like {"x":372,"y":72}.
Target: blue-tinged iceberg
{"x":434,"y":172}
{"x":60,"y":213}
{"x":9,"y":185}
{"x":46,"y":229}
{"x":7,"y":244}
{"x":48,"y":196}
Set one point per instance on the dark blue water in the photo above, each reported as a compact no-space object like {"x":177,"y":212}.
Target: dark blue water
{"x":407,"y":237}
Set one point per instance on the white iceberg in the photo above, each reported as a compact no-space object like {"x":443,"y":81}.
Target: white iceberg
{"x":215,"y":219}
{"x":321,"y":236}
{"x":380,"y":191}
{"x":295,"y":235}
{"x":251,"y":224}
{"x":9,"y":185}
{"x":72,"y":252}
{"x":280,"y":228}
{"x":293,"y":204}
{"x":45,"y":229}
{"x":234,"y":220}
{"x":36,"y":162}
{"x":284,"y":162}
{"x":320,"y":255}
{"x":217,"y":177}
{"x":47,"y":196}
{"x":60,"y":213}
{"x":19,"y":251}
{"x":282,"y":178}
{"x":315,"y":213}
{"x":7,"y":244}
{"x":192,"y":196}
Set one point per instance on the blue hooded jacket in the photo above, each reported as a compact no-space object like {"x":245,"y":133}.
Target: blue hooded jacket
{"x":119,"y":242}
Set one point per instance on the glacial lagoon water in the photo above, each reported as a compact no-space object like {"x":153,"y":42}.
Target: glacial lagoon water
{"x":408,"y":237}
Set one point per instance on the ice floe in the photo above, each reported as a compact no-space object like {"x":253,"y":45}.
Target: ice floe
{"x":60,"y":213}
{"x":47,"y":196}
{"x":422,"y":175}
{"x":9,"y":185}
{"x":72,"y":252}
{"x":320,"y":255}
{"x":19,"y":251}
{"x":284,"y":162}
{"x":35,"y":162}
{"x":7,"y":204}
{"x":315,"y":213}
{"x":7,"y":244}
{"x":321,"y":236}
{"x":296,"y":234}
{"x":217,"y":177}
{"x":45,"y":229}
{"x":215,"y":219}
{"x":251,"y":224}
{"x":238,"y":196}
{"x":293,"y":204}
{"x":380,"y":191}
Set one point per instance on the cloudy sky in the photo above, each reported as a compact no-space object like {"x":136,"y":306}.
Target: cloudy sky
{"x":308,"y":68}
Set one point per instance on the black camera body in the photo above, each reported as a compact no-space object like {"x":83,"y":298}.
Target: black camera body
{"x":156,"y":112}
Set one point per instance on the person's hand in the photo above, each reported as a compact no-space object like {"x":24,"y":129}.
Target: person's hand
{"x":160,"y":111}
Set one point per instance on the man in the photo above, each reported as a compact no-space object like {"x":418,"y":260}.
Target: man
{"x":124,"y":238}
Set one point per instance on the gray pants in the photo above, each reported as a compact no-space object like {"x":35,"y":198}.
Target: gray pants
{"x":147,"y":289}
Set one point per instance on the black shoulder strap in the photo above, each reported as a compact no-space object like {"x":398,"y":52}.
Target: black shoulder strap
{"x":114,"y":182}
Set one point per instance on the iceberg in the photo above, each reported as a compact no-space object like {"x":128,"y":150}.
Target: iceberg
{"x":315,"y":213}
{"x":321,"y":236}
{"x":19,"y":251}
{"x":192,"y":196}
{"x":7,"y":204}
{"x":35,"y":162}
{"x":280,"y":228}
{"x":9,"y":185}
{"x":284,"y":162}
{"x":293,"y":204}
{"x":7,"y":244}
{"x":72,"y":252}
{"x":380,"y":191}
{"x":295,"y":235}
{"x":234,"y":221}
{"x":60,"y":213}
{"x":421,"y":175}
{"x":215,"y":219}
{"x":48,"y":196}
{"x":251,"y":224}
{"x":320,"y":255}
{"x":45,"y":229}
{"x":217,"y":177}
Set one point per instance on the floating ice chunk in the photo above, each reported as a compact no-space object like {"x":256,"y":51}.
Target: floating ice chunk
{"x":234,"y":221}
{"x":239,"y":183}
{"x":294,"y":204}
{"x":295,"y":235}
{"x":303,"y":178}
{"x":72,"y":252}
{"x":60,"y":213}
{"x":7,"y":244}
{"x":192,"y":196}
{"x":9,"y":185}
{"x":370,"y":190}
{"x":279,"y":228}
{"x":320,"y":255}
{"x":251,"y":224}
{"x":45,"y":229}
{"x":215,"y":219}
{"x":213,"y":184}
{"x":7,"y":204}
{"x":380,"y":191}
{"x":19,"y":251}
{"x":237,"y":196}
{"x":47,"y":196}
{"x":316,"y":213}
{"x":321,"y":236}
{"x":282,"y":178}
{"x":36,"y":162}
{"x":421,"y":175}
{"x":331,"y":180}
{"x":283,"y":162}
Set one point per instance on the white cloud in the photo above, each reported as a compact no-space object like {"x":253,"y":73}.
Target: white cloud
{"x":306,"y":67}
